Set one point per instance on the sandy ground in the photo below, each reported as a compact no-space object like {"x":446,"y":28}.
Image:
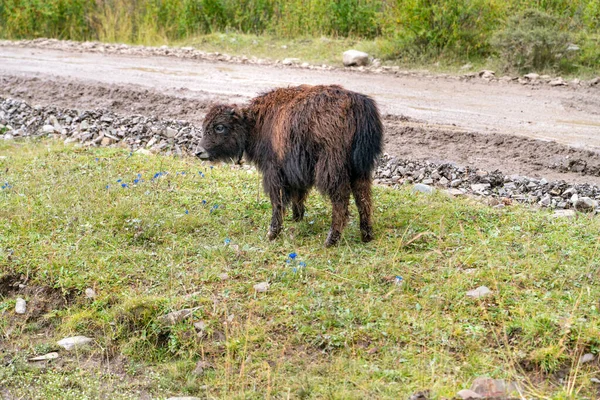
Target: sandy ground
{"x":528,"y":130}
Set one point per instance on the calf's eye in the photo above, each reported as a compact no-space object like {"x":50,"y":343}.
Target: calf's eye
{"x":220,"y":129}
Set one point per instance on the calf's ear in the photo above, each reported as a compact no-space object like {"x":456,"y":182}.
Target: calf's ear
{"x":235,"y":112}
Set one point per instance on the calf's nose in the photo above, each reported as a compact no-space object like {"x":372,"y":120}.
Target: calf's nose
{"x":201,"y":153}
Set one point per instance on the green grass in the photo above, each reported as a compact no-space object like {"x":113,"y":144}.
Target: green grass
{"x":338,"y":328}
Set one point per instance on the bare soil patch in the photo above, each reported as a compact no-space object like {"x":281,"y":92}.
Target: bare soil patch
{"x":405,"y":137}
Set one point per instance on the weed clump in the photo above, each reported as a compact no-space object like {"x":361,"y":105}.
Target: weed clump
{"x":533,"y":41}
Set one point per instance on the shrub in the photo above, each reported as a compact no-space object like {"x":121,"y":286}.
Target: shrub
{"x":532,"y":40}
{"x":443,"y":27}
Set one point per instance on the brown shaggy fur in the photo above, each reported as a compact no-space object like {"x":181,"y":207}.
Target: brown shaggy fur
{"x":300,"y":137}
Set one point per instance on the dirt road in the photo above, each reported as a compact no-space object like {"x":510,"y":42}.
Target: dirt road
{"x":518,"y":129}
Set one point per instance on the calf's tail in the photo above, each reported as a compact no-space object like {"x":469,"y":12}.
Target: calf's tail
{"x":367,"y":144}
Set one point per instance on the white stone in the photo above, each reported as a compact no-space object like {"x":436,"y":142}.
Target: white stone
{"x":422,"y":188}
{"x":21,"y":306}
{"x":564,"y":214}
{"x":290,"y":61}
{"x":468,"y":394}
{"x":355,"y":58}
{"x":73,"y":342}
{"x":261,"y":287}
{"x":144,"y":152}
{"x":49,"y":356}
{"x":586,"y":358}
{"x":481,"y":291}
{"x":90,"y":293}
{"x":184,"y":398}
{"x":176,"y":316}
{"x":48,"y":129}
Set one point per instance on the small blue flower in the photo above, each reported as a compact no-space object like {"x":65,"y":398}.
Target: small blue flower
{"x":203,"y":201}
{"x":302,"y":264}
{"x":183,"y":173}
{"x":211,"y":167}
{"x":139,"y":175}
{"x":214,"y":207}
{"x":97,"y":159}
{"x":119,"y":180}
{"x":227,"y":241}
{"x":187,"y":212}
{"x":135,"y":181}
{"x":293,"y":255}
{"x":107,"y":186}
{"x":295,"y":269}
{"x":124,"y":185}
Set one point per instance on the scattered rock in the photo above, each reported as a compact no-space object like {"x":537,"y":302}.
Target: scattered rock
{"x":595,"y":380}
{"x":175,"y":317}
{"x":21,"y":306}
{"x":170,"y":132}
{"x":585,"y":204}
{"x":261,"y":287}
{"x":466,"y":394}
{"x":224,"y":276}
{"x":557,"y":82}
{"x":586,"y":358}
{"x":455,"y":192}
{"x":492,"y":388}
{"x":355,"y":58}
{"x":480,"y":187}
{"x":45,"y":357}
{"x":422,"y":395}
{"x":106,"y":141}
{"x":564,"y":213}
{"x":487,"y":74}
{"x":422,"y":188}
{"x":200,"y":326}
{"x":74,"y":342}
{"x":184,"y":398}
{"x":480,"y":292}
{"x":48,"y":129}
{"x":531,"y":76}
{"x":90,"y":293}
{"x":290,"y":61}
{"x":201,"y":366}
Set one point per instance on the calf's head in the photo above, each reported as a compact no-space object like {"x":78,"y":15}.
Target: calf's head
{"x":225,"y":129}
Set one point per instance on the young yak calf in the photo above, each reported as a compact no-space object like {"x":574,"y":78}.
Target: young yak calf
{"x":300,"y":137}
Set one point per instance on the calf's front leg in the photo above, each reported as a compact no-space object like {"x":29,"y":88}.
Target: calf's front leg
{"x":277,"y":203}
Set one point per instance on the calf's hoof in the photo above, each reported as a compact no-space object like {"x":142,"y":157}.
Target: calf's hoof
{"x":272,"y":234}
{"x":367,"y":236}
{"x":332,"y":238}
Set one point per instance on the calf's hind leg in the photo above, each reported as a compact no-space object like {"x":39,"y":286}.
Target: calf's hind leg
{"x":298,"y":198}
{"x":339,"y":214}
{"x":361,"y":189}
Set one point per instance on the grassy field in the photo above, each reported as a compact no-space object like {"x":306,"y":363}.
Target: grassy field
{"x":154,"y":234}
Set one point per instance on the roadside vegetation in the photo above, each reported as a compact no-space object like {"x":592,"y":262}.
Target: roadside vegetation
{"x":154,"y":234}
{"x":515,"y":36}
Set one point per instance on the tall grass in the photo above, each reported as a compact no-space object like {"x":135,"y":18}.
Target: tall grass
{"x":426,"y":29}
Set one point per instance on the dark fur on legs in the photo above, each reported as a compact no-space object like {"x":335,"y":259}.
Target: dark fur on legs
{"x":300,"y":137}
